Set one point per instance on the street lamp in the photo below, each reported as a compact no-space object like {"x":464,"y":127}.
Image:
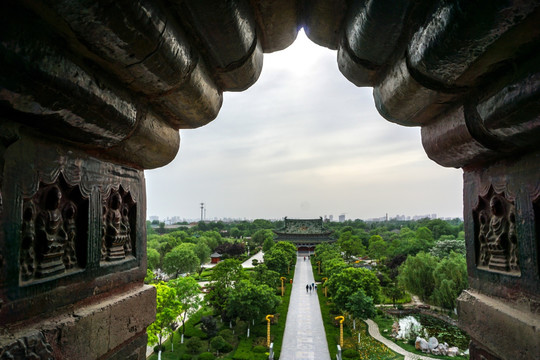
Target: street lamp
{"x":282,"y":288}
{"x":325,"y":279}
{"x":341,"y":320}
{"x":268,"y":317}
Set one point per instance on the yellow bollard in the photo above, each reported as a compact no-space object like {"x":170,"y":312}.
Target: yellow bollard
{"x":324,"y":284}
{"x":342,"y":319}
{"x":268,"y":317}
{"x":282,"y":288}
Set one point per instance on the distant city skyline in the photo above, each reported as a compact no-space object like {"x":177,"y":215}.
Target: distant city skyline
{"x":302,"y":142}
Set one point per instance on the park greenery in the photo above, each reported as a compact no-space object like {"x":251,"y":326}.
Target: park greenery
{"x":368,"y":264}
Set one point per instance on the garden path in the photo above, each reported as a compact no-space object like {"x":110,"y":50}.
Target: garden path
{"x":373,"y":330}
{"x":304,"y":338}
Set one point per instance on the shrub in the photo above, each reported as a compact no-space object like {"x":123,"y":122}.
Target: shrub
{"x":194,"y":345}
{"x":217,"y":343}
{"x":209,"y":325}
{"x":350,"y":354}
{"x":259,"y":349}
{"x":156,"y":348}
{"x":226,"y":348}
{"x":227,"y":334}
{"x":206,"y":356}
{"x":185,"y":357}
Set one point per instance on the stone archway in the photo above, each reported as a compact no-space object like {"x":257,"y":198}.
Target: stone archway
{"x":93,"y":92}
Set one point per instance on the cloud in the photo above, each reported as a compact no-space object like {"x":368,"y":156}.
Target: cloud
{"x":302,"y":141}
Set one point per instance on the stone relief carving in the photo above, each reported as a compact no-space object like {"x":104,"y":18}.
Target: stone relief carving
{"x":50,"y":233}
{"x":496,"y":237}
{"x":118,"y":212}
{"x":30,"y":347}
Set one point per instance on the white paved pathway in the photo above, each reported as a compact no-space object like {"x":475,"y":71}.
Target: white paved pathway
{"x":373,"y":330}
{"x":304,"y":337}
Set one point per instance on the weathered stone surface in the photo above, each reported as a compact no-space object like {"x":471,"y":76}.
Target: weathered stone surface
{"x":448,"y":141}
{"x":226,"y":32}
{"x":445,"y":48}
{"x":497,"y":324}
{"x":323,"y":21}
{"x":400,"y":98}
{"x":89,"y":332}
{"x":279,"y":20}
{"x":372,"y":29}
{"x":432,"y":343}
{"x":453,"y":351}
{"x":421,"y":344}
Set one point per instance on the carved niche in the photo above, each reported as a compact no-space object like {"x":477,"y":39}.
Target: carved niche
{"x":118,"y":220}
{"x":53,"y":231}
{"x":29,"y":347}
{"x":496,"y":240}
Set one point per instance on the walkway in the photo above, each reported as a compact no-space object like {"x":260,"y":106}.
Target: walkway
{"x":304,"y":338}
{"x":373,"y":330}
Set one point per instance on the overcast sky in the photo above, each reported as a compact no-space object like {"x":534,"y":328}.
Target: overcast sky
{"x":302,"y":142}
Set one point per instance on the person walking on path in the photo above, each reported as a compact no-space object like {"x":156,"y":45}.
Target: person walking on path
{"x":304,"y":337}
{"x":307,"y":288}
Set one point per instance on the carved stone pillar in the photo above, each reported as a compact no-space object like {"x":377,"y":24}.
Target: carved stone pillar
{"x":72,"y":253}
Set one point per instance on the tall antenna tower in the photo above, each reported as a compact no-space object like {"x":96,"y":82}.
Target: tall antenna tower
{"x":202,"y":211}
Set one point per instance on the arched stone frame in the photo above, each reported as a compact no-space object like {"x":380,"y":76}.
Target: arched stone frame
{"x":85,"y":89}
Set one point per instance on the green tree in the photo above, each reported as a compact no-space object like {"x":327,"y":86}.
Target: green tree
{"x":262,"y":275}
{"x":351,"y":245}
{"x":152,"y":258}
{"x":268,"y":244}
{"x":167,"y":310}
{"x":416,"y":274}
{"x":224,"y":275}
{"x":347,"y":282}
{"x":333,"y":266}
{"x":277,"y":260}
{"x":394,"y":292}
{"x":377,"y":247}
{"x":181,"y":259}
{"x":360,"y":305}
{"x":261,"y":236}
{"x":444,"y":247}
{"x":248,"y":301}
{"x":187,"y":293}
{"x":450,"y":276}
{"x":203,"y":252}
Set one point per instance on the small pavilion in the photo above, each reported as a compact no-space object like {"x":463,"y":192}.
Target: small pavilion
{"x":305,"y":234}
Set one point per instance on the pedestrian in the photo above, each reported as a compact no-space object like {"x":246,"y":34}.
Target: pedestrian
{"x":307,"y":287}
{"x":315,"y":287}
{"x":310,"y":288}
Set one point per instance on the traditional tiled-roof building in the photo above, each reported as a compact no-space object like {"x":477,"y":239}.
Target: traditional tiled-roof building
{"x":305,"y":234}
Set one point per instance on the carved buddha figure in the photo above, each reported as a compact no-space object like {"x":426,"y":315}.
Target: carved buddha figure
{"x":114,"y":219}
{"x":512,"y":237}
{"x":50,"y":234}
{"x":498,"y":225}
{"x":104,"y":233}
{"x":126,"y":228}
{"x":27,"y":256}
{"x":116,"y":230}
{"x":50,"y":224}
{"x":70,"y":258}
{"x":482,"y":238}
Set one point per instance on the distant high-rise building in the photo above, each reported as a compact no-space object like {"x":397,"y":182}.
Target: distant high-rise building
{"x":342,"y":218}
{"x":331,"y":217}
{"x":154,"y":218}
